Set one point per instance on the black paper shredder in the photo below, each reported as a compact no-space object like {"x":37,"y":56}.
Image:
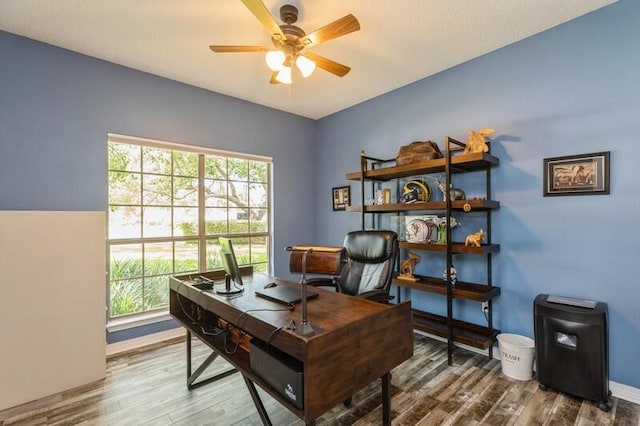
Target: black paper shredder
{"x":572,"y":352}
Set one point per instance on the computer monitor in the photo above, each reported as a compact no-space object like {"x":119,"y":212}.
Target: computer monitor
{"x":229,"y":260}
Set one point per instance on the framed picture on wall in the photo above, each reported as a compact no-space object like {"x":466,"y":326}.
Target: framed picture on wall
{"x":585,"y":174}
{"x":341,"y":197}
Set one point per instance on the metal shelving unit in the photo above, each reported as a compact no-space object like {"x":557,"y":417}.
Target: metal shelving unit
{"x":373,"y":171}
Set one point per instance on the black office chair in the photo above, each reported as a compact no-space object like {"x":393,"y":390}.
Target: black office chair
{"x":368,"y":263}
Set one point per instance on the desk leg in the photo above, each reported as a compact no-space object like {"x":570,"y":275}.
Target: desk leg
{"x":188,"y":342}
{"x":386,"y":399}
{"x":191,"y":378}
{"x":257,"y":401}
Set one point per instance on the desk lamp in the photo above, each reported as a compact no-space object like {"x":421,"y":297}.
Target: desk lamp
{"x":305,"y":328}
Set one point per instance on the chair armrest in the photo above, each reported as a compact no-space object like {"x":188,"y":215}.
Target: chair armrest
{"x":376,"y":296}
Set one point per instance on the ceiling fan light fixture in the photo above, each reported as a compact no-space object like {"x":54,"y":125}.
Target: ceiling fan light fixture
{"x":289,"y":43}
{"x":284,"y":75}
{"x":275,"y":60}
{"x":305,"y":65}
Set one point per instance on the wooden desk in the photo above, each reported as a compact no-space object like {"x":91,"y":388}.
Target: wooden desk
{"x":356,"y":341}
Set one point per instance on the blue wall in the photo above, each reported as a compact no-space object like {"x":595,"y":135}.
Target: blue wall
{"x":574,"y":89}
{"x":56,"y":108}
{"x":571,"y":90}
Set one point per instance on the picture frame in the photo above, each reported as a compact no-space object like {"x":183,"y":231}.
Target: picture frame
{"x":341,"y":196}
{"x":584,"y":174}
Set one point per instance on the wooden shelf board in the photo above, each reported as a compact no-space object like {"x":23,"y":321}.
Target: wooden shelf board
{"x":459,"y":163}
{"x":457,"y":248}
{"x":463,"y":332}
{"x":476,"y":205}
{"x":462,"y":290}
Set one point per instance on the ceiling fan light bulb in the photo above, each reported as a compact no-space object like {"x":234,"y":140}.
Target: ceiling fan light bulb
{"x":284,"y":75}
{"x":275,"y":59}
{"x":305,"y":65}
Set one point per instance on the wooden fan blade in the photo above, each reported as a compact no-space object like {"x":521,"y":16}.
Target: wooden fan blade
{"x":261,"y":12}
{"x":345,"y":25}
{"x":239,"y":49}
{"x":328,"y":65}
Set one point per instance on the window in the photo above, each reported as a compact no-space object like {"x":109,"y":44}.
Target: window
{"x":167,"y":206}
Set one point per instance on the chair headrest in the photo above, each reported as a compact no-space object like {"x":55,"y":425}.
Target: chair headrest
{"x":370,"y":246}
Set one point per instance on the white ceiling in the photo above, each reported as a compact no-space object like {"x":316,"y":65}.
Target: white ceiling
{"x":399,"y":41}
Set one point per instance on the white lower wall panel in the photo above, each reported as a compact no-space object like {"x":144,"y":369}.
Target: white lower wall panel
{"x":52,"y":303}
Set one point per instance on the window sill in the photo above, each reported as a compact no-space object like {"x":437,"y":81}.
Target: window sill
{"x":143,"y":343}
{"x":137,"y":321}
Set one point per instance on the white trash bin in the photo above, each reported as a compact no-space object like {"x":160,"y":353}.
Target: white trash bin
{"x":516,"y":355}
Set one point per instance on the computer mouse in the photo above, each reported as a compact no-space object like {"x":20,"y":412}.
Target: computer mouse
{"x":270,"y":285}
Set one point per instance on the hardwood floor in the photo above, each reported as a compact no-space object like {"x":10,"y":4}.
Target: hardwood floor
{"x":148,"y":388}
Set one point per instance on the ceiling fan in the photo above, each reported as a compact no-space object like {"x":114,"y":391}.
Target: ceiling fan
{"x":291,"y":43}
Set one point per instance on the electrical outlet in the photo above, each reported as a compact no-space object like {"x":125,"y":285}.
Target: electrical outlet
{"x":485,"y":306}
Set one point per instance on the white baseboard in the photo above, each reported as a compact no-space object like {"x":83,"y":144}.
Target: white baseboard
{"x":626,"y":392}
{"x":619,"y":390}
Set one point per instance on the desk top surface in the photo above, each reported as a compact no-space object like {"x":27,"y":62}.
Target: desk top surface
{"x":326,"y":312}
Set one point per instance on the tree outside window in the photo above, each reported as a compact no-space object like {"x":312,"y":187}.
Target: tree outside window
{"x":166,"y":209}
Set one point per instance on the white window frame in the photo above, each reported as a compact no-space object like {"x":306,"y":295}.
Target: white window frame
{"x":157,"y":315}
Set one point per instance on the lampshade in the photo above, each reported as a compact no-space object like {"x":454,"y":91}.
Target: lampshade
{"x":275,"y":59}
{"x":305,"y":65}
{"x":284,"y":75}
